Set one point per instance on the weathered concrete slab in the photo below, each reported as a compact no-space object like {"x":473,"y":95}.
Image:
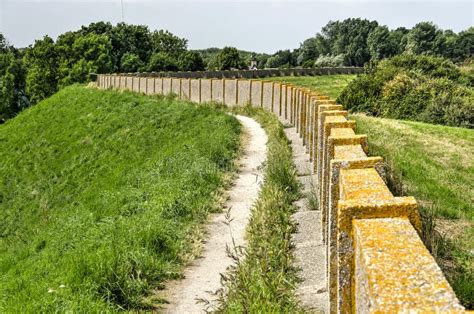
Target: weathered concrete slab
{"x":305,"y":221}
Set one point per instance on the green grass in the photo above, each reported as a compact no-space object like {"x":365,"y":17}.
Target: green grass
{"x":263,"y":279}
{"x":330,"y":85}
{"x":434,"y":164}
{"x":102,"y":194}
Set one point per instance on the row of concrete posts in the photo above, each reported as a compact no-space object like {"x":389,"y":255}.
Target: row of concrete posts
{"x":376,"y":261}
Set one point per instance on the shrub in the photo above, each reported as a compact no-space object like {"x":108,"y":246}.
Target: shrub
{"x":329,"y":61}
{"x":422,"y":88}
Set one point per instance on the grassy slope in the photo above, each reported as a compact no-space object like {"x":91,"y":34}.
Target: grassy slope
{"x":434,"y":164}
{"x":100,"y":195}
{"x":264,"y":282}
{"x":330,"y":85}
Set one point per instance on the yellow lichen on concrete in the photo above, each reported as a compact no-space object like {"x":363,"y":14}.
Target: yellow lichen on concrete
{"x":363,"y":185}
{"x":363,"y":206}
{"x":343,"y":143}
{"x":394,"y":272}
{"x":348,"y":152}
{"x":335,"y":166}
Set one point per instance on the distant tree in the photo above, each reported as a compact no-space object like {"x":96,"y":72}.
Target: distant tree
{"x":464,"y":45}
{"x":450,"y":42}
{"x":98,"y":28}
{"x":191,"y":61}
{"x":130,"y":62}
{"x":228,"y":58}
{"x":381,"y":44}
{"x":425,"y":38}
{"x":166,"y":42}
{"x":281,"y":59}
{"x":3,"y":43}
{"x":41,"y":61}
{"x":91,"y":53}
{"x":323,"y":45}
{"x":130,"y":39}
{"x":308,"y":51}
{"x":399,"y":36}
{"x":161,"y":61}
{"x":12,"y":85}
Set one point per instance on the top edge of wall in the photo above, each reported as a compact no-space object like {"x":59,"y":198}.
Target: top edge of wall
{"x":251,"y":73}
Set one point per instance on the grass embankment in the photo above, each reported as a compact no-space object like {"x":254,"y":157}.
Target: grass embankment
{"x":101,"y":194}
{"x":435,"y":164}
{"x":330,"y":85}
{"x":263,"y":279}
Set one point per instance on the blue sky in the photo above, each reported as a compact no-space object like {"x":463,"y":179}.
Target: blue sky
{"x":263,"y":26}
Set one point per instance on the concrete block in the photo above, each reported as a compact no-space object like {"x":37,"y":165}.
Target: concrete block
{"x":363,"y":195}
{"x":395,"y":273}
{"x":331,"y":229}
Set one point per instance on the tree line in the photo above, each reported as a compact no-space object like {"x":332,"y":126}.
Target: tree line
{"x":31,"y":74}
{"x":28,"y":75}
{"x":355,"y":41}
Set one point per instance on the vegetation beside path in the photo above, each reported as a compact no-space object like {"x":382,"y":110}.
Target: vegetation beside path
{"x":101,"y":196}
{"x":263,"y":278}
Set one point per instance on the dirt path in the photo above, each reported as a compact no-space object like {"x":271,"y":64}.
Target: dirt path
{"x":203,"y":275}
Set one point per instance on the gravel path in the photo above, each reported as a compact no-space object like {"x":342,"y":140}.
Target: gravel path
{"x":203,"y":275}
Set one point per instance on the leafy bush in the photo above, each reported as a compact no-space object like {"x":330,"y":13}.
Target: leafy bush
{"x":422,"y":88}
{"x":329,"y":61}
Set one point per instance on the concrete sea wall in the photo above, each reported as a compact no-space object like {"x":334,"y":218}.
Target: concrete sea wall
{"x":248,"y":74}
{"x":377,"y":262}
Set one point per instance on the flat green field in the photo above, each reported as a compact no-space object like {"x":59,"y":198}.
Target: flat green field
{"x":101,"y":196}
{"x":330,"y":85}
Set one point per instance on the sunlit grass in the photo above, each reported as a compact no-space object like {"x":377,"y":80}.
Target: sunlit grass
{"x":101,"y":193}
{"x":330,"y":85}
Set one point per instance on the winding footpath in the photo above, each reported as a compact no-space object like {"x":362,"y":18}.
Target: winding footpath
{"x":225,"y":229}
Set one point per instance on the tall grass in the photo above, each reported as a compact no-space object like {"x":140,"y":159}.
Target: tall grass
{"x":263,"y":278}
{"x":101,"y":197}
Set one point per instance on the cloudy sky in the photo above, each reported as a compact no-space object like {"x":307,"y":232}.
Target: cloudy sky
{"x":263,"y":26}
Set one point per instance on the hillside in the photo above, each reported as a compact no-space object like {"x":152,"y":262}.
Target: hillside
{"x":101,"y":196}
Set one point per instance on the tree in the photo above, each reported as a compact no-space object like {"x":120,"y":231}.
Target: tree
{"x":89,"y":54}
{"x":308,"y":51}
{"x":130,"y":62}
{"x":349,"y":38}
{"x":425,"y":38}
{"x":191,"y":61}
{"x":399,"y":37}
{"x":130,"y":39}
{"x":281,"y":59}
{"x":228,"y":58}
{"x":3,"y":43}
{"x":161,"y":61}
{"x":166,"y":42}
{"x":464,"y":45}
{"x":381,"y":44}
{"x":41,"y":61}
